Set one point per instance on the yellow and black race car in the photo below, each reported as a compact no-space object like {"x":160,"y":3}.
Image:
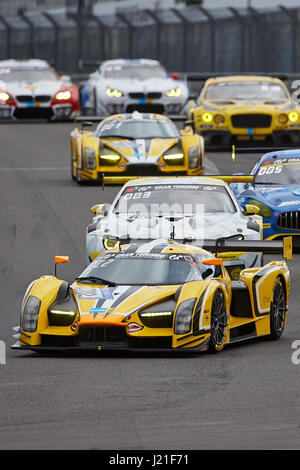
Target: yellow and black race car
{"x":245,"y":108}
{"x":135,"y":144}
{"x":158,"y":295}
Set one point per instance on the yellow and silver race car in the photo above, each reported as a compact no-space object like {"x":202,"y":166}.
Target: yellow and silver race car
{"x":245,"y":108}
{"x":134,"y":144}
{"x":158,"y":295}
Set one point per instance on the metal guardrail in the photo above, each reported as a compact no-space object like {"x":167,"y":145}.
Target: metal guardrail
{"x":189,"y":39}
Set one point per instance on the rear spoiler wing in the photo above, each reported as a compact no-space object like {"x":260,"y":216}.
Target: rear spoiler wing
{"x":222,"y":245}
{"x":225,"y":245}
{"x":226,"y":178}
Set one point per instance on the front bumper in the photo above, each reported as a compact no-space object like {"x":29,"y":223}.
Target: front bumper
{"x":63,"y":112}
{"x":143,"y":105}
{"x":164,"y":346}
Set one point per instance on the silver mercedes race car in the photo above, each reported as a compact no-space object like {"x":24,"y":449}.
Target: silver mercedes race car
{"x":33,"y":89}
{"x":124,"y":86}
{"x":199,"y":209}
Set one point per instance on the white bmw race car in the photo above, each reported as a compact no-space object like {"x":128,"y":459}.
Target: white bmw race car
{"x":32,"y":89}
{"x":124,"y":86}
{"x":201,"y":209}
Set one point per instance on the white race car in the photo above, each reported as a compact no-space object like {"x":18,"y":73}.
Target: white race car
{"x":32,"y":89}
{"x":200,"y":209}
{"x":124,"y":86}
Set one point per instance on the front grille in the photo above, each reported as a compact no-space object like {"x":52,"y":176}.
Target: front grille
{"x":25,"y":98}
{"x":251,"y":120}
{"x":154,"y":95}
{"x":102,"y":334}
{"x":33,"y":99}
{"x":289,"y":220}
{"x":138,"y":95}
{"x":145,"y":108}
{"x":43,"y":98}
{"x":143,"y":170}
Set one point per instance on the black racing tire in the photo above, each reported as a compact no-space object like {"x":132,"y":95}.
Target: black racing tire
{"x":73,"y":175}
{"x":95,"y":102}
{"x":277,"y":310}
{"x":218,"y":323}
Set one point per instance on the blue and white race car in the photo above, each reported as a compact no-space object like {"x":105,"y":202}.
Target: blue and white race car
{"x":276,"y":192}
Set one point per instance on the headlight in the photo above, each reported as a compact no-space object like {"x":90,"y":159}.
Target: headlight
{"x":90,"y":158}
{"x":158,"y":315}
{"x":109,"y":244}
{"x":265,"y":211}
{"x":4,"y":96}
{"x":109,"y":159}
{"x":63,"y":95}
{"x":184,"y":315}
{"x":293,"y":116}
{"x":219,"y":119}
{"x":114,"y":93}
{"x":174,"y":92}
{"x":193,"y":154}
{"x":207,"y":117}
{"x":283,"y":118}
{"x":174,"y":158}
{"x":63,"y":313}
{"x":30,"y":314}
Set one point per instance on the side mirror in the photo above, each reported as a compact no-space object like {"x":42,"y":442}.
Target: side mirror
{"x":175,"y":76}
{"x":100,"y":209}
{"x":86,"y":124}
{"x":61,"y":259}
{"x":251,"y":209}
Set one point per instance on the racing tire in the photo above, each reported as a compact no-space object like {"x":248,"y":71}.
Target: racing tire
{"x":219,"y":325}
{"x":73,"y":175}
{"x":277,"y":310}
{"x":95,"y":107}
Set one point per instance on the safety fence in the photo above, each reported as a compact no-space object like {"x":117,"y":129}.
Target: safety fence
{"x":189,"y":39}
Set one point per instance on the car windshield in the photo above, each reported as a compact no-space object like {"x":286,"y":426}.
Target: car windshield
{"x":142,"y":269}
{"x":26,"y":74}
{"x":183,"y":199}
{"x":134,"y":71}
{"x":260,"y":91}
{"x":137,"y":129}
{"x":282,"y":171}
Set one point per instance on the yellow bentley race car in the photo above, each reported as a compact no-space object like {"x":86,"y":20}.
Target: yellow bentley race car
{"x":245,"y":108}
{"x":134,"y":145}
{"x":158,"y":295}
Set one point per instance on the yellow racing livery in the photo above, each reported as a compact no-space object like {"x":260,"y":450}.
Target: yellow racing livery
{"x":136,"y":144}
{"x":245,"y":108}
{"x":159,"y":295}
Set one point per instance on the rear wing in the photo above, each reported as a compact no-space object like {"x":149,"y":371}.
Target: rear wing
{"x":229,"y":244}
{"x":226,"y":178}
{"x":221,"y":245}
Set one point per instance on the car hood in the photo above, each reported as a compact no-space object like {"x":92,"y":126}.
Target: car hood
{"x":112,"y":305}
{"x":140,"y":150}
{"x":278,"y":197}
{"x":137,"y":86}
{"x":48,"y":87}
{"x":209,"y":226}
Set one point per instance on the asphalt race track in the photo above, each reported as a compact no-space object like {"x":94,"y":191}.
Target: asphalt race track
{"x":246,"y":397}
